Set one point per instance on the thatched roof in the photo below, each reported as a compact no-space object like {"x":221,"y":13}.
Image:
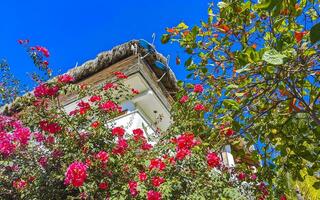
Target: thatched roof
{"x":118,"y":53}
{"x":106,"y":59}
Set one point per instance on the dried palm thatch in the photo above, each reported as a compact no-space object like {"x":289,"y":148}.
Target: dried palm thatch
{"x":105,"y":60}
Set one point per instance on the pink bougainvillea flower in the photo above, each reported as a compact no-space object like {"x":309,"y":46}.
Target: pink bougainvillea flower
{"x":146,"y":146}
{"x":186,"y":140}
{"x":153,"y":195}
{"x":120,"y":75}
{"x":50,"y":127}
{"x":134,"y":91}
{"x":43,"y":50}
{"x":118,"y":131}
{"x":138,"y":134}
{"x":182,"y":153}
{"x":95,"y":124}
{"x":103,"y":185}
{"x":23,"y":41}
{"x":43,"y":161}
{"x":65,"y":78}
{"x":22,"y":135}
{"x":110,"y":106}
{"x":95,"y":98}
{"x":253,"y":177}
{"x":50,"y":139}
{"x":84,"y":107}
{"x":213,"y":159}
{"x":184,"y":99}
{"x":108,"y":86}
{"x":102,"y":156}
{"x":226,"y":130}
{"x":76,"y":174}
{"x":133,"y":188}
{"x":157,"y":181}
{"x":19,"y":184}
{"x":199,"y":107}
{"x":7,"y":147}
{"x":157,"y":164}
{"x":142,"y":176}
{"x":39,"y":137}
{"x":121,"y":147}
{"x":283,"y":197}
{"x":45,"y":63}
{"x":198,"y":88}
{"x":44,"y":90}
{"x":241,"y":176}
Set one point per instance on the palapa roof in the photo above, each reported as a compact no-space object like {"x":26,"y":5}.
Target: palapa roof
{"x":106,"y":59}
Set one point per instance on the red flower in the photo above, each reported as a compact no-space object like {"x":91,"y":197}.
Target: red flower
{"x":253,"y":177}
{"x":182,"y":153}
{"x":299,"y":36}
{"x":44,"y":90}
{"x":39,"y":137}
{"x":146,"y":146}
{"x":157,"y":181}
{"x":134,"y":91}
{"x":118,"y":131}
{"x":102,"y":156}
{"x":84,"y":107}
{"x":186,"y":140}
{"x":198,"y":88}
{"x":108,"y":86}
{"x":283,"y":197}
{"x":43,"y":161}
{"x":138,"y":134}
{"x":50,"y":127}
{"x":45,"y":63}
{"x":66,"y":78}
{"x":213,"y":160}
{"x":184,"y":99}
{"x":120,"y":75}
{"x":121,"y":147}
{"x":133,"y":188}
{"x":95,"y":124}
{"x":19,"y":184}
{"x":157,"y":164}
{"x":22,"y":135}
{"x":43,"y":50}
{"x":199,"y":107}
{"x":241,"y":176}
{"x":50,"y":139}
{"x":103,"y":185}
{"x":153,"y":195}
{"x":6,"y":144}
{"x":76,"y":174}
{"x":110,"y":106}
{"x":95,"y":98}
{"x":142,"y":176}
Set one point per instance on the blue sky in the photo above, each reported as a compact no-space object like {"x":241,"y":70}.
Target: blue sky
{"x":76,"y":31}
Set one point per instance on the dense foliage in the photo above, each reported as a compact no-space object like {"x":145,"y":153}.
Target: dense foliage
{"x":259,"y":62}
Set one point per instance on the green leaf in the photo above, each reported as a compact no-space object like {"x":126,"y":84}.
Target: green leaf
{"x":165,"y":38}
{"x":273,"y":57}
{"x":188,"y":62}
{"x":231,"y":103}
{"x":182,"y":26}
{"x":222,"y":5}
{"x":316,"y":185}
{"x":315,"y":33}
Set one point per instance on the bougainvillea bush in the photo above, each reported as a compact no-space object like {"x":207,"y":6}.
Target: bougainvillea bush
{"x":47,"y":153}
